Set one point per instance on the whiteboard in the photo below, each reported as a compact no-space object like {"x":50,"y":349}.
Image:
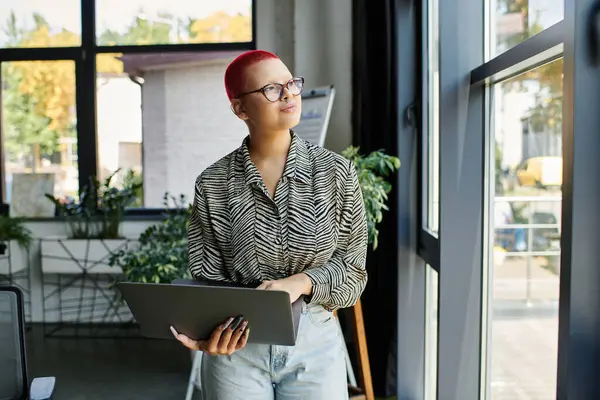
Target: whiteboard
{"x":316,"y":111}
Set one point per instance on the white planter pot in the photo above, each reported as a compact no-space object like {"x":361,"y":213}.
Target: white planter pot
{"x":14,"y":260}
{"x":76,"y":256}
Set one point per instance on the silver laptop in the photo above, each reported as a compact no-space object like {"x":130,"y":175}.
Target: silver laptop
{"x":196,"y":309}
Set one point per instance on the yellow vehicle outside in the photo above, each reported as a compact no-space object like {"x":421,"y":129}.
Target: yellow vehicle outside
{"x":540,"y":172}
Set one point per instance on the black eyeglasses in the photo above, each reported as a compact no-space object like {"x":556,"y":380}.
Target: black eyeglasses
{"x":274,"y":91}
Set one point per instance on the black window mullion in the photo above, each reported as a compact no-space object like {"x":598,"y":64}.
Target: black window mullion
{"x":39,"y":53}
{"x":175,"y":48}
{"x":428,"y":249}
{"x":254,"y":25}
{"x":85,"y":75}
{"x":540,"y":49}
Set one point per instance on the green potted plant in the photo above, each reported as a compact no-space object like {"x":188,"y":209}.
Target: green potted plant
{"x":373,"y":171}
{"x":14,"y":229}
{"x":99,"y":211}
{"x":94,"y":223}
{"x":15,"y":241}
{"x":161,"y":253}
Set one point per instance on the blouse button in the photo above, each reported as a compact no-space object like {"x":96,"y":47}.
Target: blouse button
{"x":278,"y":240}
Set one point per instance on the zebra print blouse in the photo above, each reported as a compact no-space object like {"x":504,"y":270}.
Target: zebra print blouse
{"x":315,"y":224}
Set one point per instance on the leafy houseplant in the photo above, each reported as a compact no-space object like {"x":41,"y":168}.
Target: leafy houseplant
{"x":372,"y":170}
{"x":162,"y":253}
{"x":99,"y":211}
{"x":14,"y":229}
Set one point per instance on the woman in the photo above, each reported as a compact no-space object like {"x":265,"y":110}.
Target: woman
{"x":286,"y":214}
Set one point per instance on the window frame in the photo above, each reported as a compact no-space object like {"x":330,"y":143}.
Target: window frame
{"x":84,"y":57}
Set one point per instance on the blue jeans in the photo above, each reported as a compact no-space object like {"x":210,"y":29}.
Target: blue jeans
{"x":313,"y":369}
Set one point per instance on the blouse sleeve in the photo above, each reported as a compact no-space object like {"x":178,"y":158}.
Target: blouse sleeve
{"x":204,"y":256}
{"x":340,"y":282}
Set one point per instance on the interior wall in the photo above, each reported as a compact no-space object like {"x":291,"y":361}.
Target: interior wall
{"x":314,"y":38}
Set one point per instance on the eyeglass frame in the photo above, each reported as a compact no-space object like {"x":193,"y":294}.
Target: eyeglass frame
{"x":285,"y":85}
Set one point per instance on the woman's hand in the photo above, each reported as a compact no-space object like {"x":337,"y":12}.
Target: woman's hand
{"x":296,"y":285}
{"x":225,"y":339}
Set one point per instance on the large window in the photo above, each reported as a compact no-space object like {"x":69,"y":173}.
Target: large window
{"x":526,"y":212}
{"x":116,"y":91}
{"x":517,"y":260}
{"x":518,"y":147}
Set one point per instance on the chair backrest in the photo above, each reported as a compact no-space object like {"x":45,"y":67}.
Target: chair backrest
{"x":13,"y":379}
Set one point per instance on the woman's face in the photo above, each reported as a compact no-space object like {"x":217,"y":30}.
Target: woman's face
{"x":257,"y":110}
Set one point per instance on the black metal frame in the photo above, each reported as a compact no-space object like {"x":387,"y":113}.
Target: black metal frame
{"x":84,"y":57}
{"x":286,"y":85}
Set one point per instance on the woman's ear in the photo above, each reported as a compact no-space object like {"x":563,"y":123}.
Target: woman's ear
{"x":238,"y":109}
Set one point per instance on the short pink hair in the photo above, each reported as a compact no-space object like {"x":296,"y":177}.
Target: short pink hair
{"x":235,"y":74}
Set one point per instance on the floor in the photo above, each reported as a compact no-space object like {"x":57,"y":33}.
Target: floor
{"x":100,"y":369}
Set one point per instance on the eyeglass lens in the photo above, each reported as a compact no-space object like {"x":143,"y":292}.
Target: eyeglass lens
{"x":275,"y":91}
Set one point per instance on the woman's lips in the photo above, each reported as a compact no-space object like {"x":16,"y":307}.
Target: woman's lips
{"x":290,"y":108}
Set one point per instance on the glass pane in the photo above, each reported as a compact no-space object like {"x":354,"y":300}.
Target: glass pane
{"x":433,"y":131}
{"x":182,"y":110}
{"x":431,"y":332}
{"x":144,"y":22}
{"x":39,"y":132}
{"x":514,"y":21}
{"x":40,"y":23}
{"x":525,"y":259}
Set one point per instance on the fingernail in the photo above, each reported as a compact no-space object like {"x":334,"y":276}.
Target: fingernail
{"x":227,"y":323}
{"x":173,"y":331}
{"x":243,"y":326}
{"x":237,"y":323}
{"x":247,"y":333}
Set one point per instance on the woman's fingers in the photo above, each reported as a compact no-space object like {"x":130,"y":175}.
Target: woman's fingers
{"x":212,"y":344}
{"x":235,"y":338}
{"x":225,"y":339}
{"x":263,"y":285}
{"x":243,"y":340}
{"x":187,"y":342}
{"x":228,"y":337}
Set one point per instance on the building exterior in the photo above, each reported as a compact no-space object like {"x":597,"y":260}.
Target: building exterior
{"x":186,"y":120}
